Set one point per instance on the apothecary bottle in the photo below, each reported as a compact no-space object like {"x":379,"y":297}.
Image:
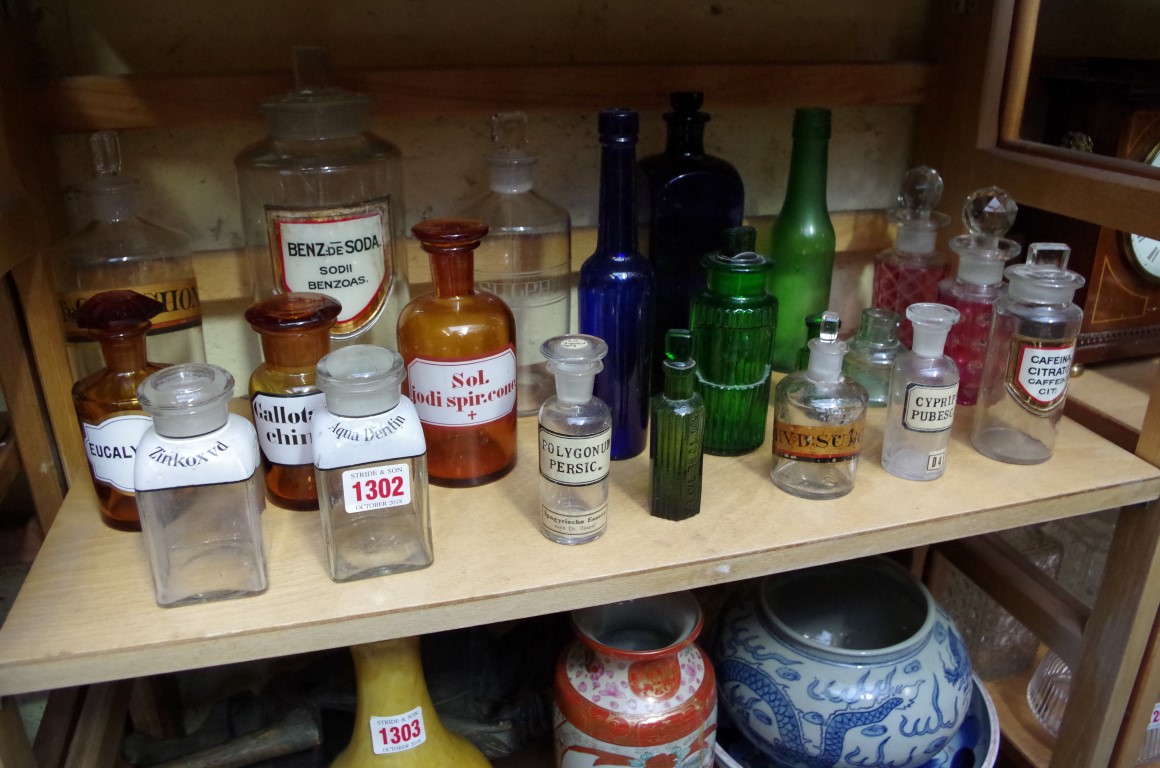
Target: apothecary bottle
{"x":111,"y":418}
{"x":575,"y":443}
{"x":370,"y":463}
{"x":676,"y":434}
{"x":733,"y":325}
{"x":198,"y":487}
{"x":803,"y":238}
{"x":295,"y":334}
{"x":978,"y":281}
{"x":819,"y":417}
{"x":1029,"y":355}
{"x":322,"y":205}
{"x":923,"y":389}
{"x":120,"y":250}
{"x":526,"y":258}
{"x":910,"y":271}
{"x":870,"y":357}
{"x":458,"y":344}
{"x":689,"y":197}
{"x":617,"y":292}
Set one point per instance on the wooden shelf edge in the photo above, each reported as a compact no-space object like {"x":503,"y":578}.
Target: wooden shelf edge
{"x":1020,"y":729}
{"x":97,"y":102}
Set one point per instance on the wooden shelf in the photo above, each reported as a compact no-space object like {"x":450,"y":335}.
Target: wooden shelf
{"x":87,"y":614}
{"x":1111,"y":398}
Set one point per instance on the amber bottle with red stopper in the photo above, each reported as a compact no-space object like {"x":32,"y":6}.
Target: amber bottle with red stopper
{"x":459,"y":347}
{"x":295,"y":331}
{"x":111,"y":417}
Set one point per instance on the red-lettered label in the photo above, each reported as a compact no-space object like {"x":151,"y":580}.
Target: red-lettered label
{"x":342,"y":252}
{"x":398,"y":733}
{"x":1038,"y":371}
{"x":465,"y":392}
{"x":1154,"y":721}
{"x":376,"y":487}
{"x":817,"y":443}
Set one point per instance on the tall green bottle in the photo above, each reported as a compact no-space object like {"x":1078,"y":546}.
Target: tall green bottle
{"x":803,"y":238}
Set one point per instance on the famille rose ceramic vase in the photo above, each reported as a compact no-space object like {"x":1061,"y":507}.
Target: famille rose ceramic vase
{"x":848,"y":665}
{"x":634,"y":689}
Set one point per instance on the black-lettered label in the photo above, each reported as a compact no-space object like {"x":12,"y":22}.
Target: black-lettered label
{"x":344,"y":252}
{"x":111,"y":448}
{"x":343,"y":441}
{"x":284,"y":428}
{"x":226,"y":455}
{"x":573,"y":460}
{"x":463,"y":393}
{"x":1038,"y":371}
{"x":929,"y":409}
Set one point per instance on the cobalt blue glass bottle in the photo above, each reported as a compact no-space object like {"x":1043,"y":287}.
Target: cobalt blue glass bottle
{"x":616,"y":292}
{"x":688,"y":198}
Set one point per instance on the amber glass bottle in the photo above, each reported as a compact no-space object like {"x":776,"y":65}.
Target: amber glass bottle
{"x":295,"y":331}
{"x":459,"y":347}
{"x":111,"y":417}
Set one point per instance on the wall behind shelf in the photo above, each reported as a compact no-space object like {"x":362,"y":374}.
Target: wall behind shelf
{"x":187,"y":174}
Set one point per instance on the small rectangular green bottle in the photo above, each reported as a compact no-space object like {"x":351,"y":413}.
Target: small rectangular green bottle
{"x":676,"y":432}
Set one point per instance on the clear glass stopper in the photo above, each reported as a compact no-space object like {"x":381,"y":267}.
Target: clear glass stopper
{"x":187,"y":400}
{"x":106,"y":153}
{"x":921,"y":191}
{"x":828,"y":331}
{"x":361,"y":380}
{"x":932,"y":322}
{"x":509,"y":130}
{"x":574,"y":360}
{"x":989,"y":212}
{"x":826,"y":352}
{"x":1051,"y":254}
{"x":311,"y":67}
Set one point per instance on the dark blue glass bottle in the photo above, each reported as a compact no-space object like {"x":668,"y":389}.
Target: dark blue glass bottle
{"x":616,"y":292}
{"x":686,"y":199}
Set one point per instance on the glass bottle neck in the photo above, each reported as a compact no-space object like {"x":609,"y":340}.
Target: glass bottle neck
{"x":617,"y":230}
{"x":678,"y":384}
{"x":292,"y":351}
{"x":453,"y":272}
{"x":124,"y":353}
{"x":685,"y":137}
{"x":807,"y":173}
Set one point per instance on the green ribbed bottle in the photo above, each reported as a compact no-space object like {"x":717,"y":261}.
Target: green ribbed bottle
{"x":675,"y":434}
{"x":733,"y":324}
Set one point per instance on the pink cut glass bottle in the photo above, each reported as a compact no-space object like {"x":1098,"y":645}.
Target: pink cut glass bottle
{"x":909,"y":273}
{"x":987,"y":214}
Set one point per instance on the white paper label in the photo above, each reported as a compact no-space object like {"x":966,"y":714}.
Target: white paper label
{"x":1038,"y":372}
{"x":284,"y":428}
{"x":376,"y":487}
{"x":340,"y":441}
{"x":342,"y":252}
{"x":398,"y":733}
{"x":226,"y":455}
{"x":936,"y":460}
{"x":112,"y":446}
{"x":465,"y":392}
{"x":929,"y":409}
{"x":574,"y":522}
{"x":572,"y":460}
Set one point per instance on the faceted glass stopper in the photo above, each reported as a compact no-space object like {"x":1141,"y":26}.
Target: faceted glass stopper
{"x":679,"y":349}
{"x":921,"y":191}
{"x":989,"y":212}
{"x":828,"y":331}
{"x":118,"y":311}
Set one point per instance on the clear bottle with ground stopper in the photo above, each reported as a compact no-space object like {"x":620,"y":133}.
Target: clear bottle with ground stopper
{"x":923,"y":388}
{"x":295,"y":332}
{"x":819,"y":417}
{"x":575,"y":443}
{"x":370,"y":464}
{"x":198,"y":489}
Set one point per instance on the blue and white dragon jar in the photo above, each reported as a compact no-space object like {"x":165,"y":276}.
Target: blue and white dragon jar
{"x":848,"y":665}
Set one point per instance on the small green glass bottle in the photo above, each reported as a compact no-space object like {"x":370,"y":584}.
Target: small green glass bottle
{"x":813,"y":331}
{"x":733,"y":324}
{"x":803,"y":238}
{"x":676,"y":431}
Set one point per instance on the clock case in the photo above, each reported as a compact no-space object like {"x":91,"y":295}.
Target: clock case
{"x":1117,"y":104}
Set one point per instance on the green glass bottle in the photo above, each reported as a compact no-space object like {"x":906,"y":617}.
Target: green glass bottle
{"x":676,"y":431}
{"x":803,"y":238}
{"x":732,"y":324}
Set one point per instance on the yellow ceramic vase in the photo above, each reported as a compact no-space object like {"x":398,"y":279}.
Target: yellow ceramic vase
{"x":395,"y":722}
